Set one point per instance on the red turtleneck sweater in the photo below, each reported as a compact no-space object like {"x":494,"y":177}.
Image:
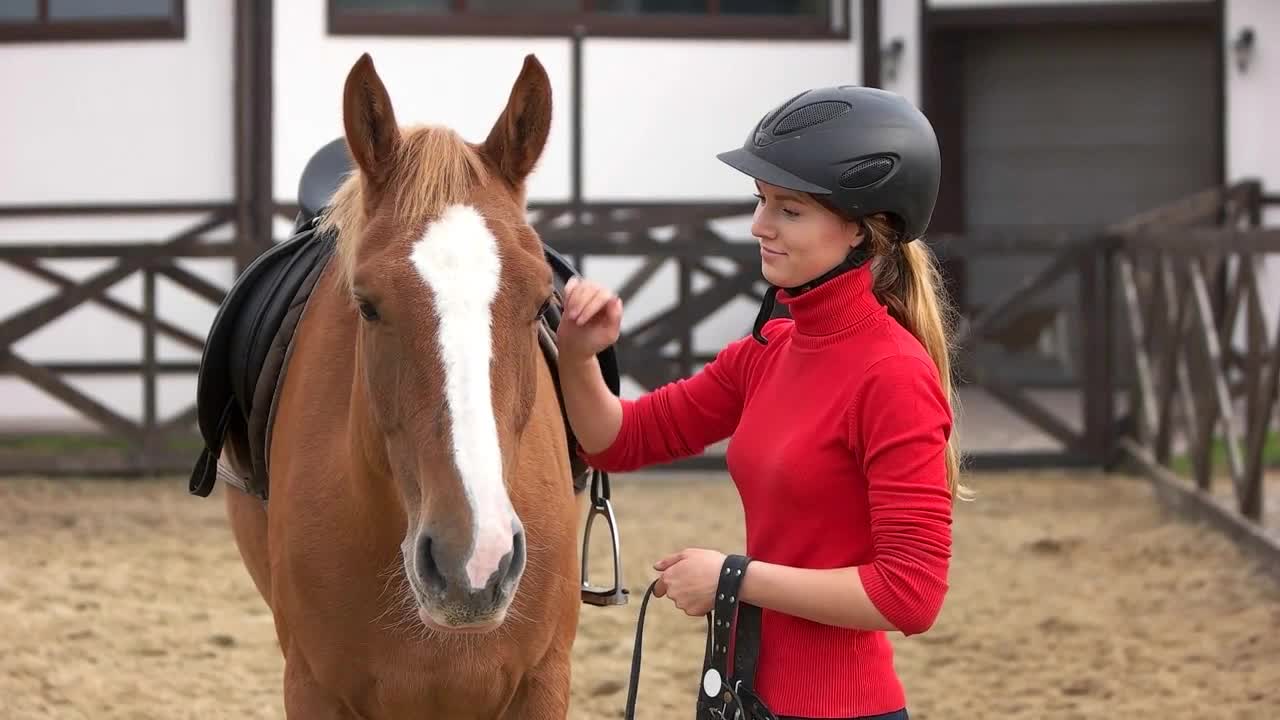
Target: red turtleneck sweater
{"x":838,"y":428}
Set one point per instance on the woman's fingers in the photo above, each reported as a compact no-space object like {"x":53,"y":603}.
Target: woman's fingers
{"x":593,"y":306}
{"x":577,"y":293}
{"x":614,"y":310}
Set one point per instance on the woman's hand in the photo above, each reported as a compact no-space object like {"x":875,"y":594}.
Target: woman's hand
{"x":690,"y":578}
{"x":591,"y":320}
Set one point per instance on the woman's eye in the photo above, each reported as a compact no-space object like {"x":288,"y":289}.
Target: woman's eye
{"x":790,"y":213}
{"x":368,"y":311}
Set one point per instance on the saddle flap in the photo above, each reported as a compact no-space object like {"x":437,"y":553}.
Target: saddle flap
{"x":245,"y":335}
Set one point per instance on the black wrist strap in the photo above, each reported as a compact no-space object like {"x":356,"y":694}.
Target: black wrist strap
{"x":721,"y":695}
{"x":733,"y":621}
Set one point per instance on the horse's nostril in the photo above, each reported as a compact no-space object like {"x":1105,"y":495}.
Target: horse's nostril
{"x":428,"y":570}
{"x":509,"y":567}
{"x":516,"y":562}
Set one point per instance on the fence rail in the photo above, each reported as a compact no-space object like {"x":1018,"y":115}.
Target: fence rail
{"x":1156,"y":305}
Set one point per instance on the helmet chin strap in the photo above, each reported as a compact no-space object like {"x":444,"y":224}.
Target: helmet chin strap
{"x":856,"y":258}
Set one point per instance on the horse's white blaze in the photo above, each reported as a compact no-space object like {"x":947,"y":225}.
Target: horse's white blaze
{"x":458,"y":259}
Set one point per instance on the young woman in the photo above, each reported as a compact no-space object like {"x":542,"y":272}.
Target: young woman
{"x":840,"y":415}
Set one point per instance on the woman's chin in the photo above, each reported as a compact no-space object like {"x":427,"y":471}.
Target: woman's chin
{"x":773,"y":276}
{"x":776,"y":279}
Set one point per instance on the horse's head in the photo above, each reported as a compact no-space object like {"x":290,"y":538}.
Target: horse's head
{"x":449,"y":282}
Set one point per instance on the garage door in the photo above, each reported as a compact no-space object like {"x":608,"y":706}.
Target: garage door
{"x":1081,"y":127}
{"x":1075,"y":128}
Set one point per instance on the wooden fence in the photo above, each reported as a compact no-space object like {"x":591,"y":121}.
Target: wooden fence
{"x":124,"y":445}
{"x":1204,"y":362}
{"x":1159,"y":302}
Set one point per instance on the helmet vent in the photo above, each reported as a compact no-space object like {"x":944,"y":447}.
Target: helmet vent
{"x":811,"y":115}
{"x":776,"y":111}
{"x":867,"y":172}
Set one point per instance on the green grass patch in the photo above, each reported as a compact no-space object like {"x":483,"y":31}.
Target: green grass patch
{"x":1218,"y":456}
{"x":58,"y":443}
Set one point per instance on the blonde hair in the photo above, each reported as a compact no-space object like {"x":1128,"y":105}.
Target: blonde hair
{"x":907,"y":281}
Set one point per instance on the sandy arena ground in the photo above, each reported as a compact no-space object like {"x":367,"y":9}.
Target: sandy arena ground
{"x":1073,"y":597}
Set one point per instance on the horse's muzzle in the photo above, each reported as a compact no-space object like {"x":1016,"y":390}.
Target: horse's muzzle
{"x":450,"y":599}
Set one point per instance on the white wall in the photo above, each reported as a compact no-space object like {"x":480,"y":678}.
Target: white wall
{"x":113,"y":122}
{"x":135,"y":121}
{"x":1253,"y":104}
{"x":901,"y":20}
{"x":655,"y":111}
{"x":1015,"y":3}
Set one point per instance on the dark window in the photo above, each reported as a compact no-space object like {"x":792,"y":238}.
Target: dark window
{"x":34,"y":20}
{"x":651,"y":6}
{"x":18,"y":10}
{"x":773,"y":7}
{"x":657,"y":18}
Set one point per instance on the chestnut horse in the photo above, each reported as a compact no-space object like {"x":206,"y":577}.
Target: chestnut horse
{"x":419,"y":550}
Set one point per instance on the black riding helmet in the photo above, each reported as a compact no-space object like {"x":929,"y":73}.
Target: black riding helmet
{"x":858,"y":149}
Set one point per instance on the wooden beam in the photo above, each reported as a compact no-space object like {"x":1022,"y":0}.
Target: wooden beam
{"x":41,"y":314}
{"x":55,"y":386}
{"x":173,"y":331}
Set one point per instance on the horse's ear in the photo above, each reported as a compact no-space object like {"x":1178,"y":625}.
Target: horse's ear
{"x":370,"y":122}
{"x":515,"y":143}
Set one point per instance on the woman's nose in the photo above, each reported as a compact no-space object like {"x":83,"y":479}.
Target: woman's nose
{"x":759,"y":227}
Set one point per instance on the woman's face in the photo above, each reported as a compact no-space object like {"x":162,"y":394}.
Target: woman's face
{"x":799,"y":239}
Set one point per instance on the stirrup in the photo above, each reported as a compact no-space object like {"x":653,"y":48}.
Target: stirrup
{"x":595,"y":594}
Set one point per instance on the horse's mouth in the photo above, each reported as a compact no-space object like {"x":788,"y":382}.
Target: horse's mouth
{"x":450,"y":618}
{"x":469,"y":628}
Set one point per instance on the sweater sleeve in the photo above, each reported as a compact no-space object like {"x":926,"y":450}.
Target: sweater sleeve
{"x":682,"y":418}
{"x":900,"y":424}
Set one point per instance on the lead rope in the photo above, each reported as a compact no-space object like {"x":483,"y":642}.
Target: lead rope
{"x":630,"y":712}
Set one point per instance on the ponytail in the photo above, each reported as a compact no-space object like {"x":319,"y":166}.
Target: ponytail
{"x":908,"y":283}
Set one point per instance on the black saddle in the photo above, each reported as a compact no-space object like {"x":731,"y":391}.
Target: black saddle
{"x":245,"y":356}
{"x":247,"y":350}
{"x":324,"y":172}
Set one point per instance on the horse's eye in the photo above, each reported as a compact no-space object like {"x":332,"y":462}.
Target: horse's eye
{"x":368,"y":311}
{"x":542,"y":311}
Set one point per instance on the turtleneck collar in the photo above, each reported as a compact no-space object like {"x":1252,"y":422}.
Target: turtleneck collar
{"x":841,"y":306}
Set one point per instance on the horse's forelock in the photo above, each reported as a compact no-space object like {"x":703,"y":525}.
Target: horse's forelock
{"x":434,"y":169}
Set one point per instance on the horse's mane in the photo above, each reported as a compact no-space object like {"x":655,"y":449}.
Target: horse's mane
{"x":433,"y":168}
